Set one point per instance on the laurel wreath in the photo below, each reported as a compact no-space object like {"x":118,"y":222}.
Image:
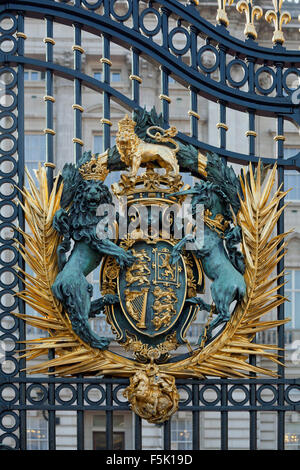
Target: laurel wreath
{"x":226,"y":356}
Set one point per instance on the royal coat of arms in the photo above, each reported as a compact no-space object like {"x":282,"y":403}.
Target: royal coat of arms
{"x":157,"y":241}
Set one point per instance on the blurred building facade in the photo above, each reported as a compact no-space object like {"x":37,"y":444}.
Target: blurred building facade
{"x":35,"y":123}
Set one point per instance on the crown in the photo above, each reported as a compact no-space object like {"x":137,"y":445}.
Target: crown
{"x":126,"y":124}
{"x":94,"y":169}
{"x":150,"y":184}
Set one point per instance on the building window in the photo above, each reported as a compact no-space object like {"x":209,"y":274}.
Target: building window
{"x":292,"y":178}
{"x":292,"y":436}
{"x":37,"y":433}
{"x":292,"y":292}
{"x":115,"y":77}
{"x":181,"y":434}
{"x":98,"y":144}
{"x":99,"y":440}
{"x":33,"y":75}
{"x":95,"y":429}
{"x":35,"y":150}
{"x":98,"y":75}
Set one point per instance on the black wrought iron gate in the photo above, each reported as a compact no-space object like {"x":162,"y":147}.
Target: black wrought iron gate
{"x":127,"y":24}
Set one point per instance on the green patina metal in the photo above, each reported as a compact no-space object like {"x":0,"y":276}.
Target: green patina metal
{"x":78,"y":224}
{"x":222,"y":262}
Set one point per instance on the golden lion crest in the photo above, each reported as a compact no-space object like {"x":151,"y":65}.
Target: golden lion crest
{"x":135,"y":152}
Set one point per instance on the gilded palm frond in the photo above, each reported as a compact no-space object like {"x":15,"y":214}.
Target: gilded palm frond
{"x":227,"y":355}
{"x":41,"y":241}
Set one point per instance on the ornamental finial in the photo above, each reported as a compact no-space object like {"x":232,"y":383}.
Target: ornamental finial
{"x":222,"y":17}
{"x":251,"y":13}
{"x":278,"y":19}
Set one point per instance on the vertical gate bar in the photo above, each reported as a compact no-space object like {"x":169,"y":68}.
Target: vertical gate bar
{"x":251,"y":82}
{"x":49,"y":131}
{"x":135,"y":15}
{"x":194,"y":96}
{"x":251,"y":133}
{"x":253,"y":413}
{"x":164,"y":72}
{"x":194,"y":113}
{"x":164,"y":96}
{"x":167,"y":435}
{"x":51,"y":413}
{"x":222,"y":66}
{"x":21,"y":220}
{"x":196,"y":418}
{"x":109,"y":416}
{"x":77,"y":106}
{"x":165,"y":26}
{"x":224,"y":418}
{"x":222,"y":126}
{"x":49,"y":98}
{"x":80,"y":416}
{"x":280,"y":309}
{"x":193,"y":48}
{"x":222,"y":123}
{"x":252,"y":402}
{"x":137,"y":432}
{"x":106,"y":97}
{"x":135,"y":77}
{"x":251,"y":112}
{"x":135,"y":57}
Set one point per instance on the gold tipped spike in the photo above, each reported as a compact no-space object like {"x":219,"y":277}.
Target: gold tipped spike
{"x":278,"y":18}
{"x":222,"y":17}
{"x":251,"y":13}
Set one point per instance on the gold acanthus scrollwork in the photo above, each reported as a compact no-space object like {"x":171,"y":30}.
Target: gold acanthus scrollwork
{"x":191,"y":281}
{"x":251,"y":13}
{"x":109,"y":276}
{"x":278,"y":18}
{"x":145,"y":351}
